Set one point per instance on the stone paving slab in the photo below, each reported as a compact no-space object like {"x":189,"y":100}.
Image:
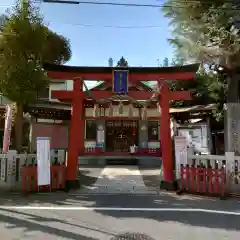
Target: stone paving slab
{"x":118,"y":179}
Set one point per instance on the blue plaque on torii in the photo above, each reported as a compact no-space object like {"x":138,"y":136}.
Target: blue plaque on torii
{"x":120,"y":81}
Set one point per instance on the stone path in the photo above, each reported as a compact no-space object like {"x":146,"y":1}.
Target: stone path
{"x":118,"y":179}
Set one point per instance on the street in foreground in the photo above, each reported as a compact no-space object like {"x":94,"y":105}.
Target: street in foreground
{"x":90,"y":217}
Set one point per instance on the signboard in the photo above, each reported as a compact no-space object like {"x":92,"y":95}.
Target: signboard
{"x":197,"y":137}
{"x":120,"y":81}
{"x":43,"y":161}
{"x":180,"y":153}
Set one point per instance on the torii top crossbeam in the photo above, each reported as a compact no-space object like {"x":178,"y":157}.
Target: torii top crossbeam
{"x":136,"y":74}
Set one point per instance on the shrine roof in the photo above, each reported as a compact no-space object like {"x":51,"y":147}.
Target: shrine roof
{"x":137,"y":70}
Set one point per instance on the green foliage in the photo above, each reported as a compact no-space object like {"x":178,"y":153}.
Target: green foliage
{"x":205,"y":31}
{"x":25,"y":44}
{"x":57,"y":48}
{"x":207,"y":88}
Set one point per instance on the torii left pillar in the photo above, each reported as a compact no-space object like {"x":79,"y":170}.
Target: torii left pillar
{"x":76,"y":133}
{"x":168,"y":181}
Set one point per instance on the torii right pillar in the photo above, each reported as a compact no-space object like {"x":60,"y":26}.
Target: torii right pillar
{"x":168,"y":182}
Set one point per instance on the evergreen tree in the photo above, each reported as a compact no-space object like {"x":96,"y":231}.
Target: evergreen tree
{"x":25,"y":45}
{"x":208,"y":32}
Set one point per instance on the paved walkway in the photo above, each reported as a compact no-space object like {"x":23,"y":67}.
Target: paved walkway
{"x":119,"y":179}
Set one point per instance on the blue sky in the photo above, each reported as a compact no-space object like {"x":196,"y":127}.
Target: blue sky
{"x":94,"y":45}
{"x":142,"y":43}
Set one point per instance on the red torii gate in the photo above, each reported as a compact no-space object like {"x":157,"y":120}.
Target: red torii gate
{"x":77,"y":96}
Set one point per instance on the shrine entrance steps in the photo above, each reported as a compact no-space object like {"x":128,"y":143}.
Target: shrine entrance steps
{"x":118,"y":180}
{"x":122,"y":161}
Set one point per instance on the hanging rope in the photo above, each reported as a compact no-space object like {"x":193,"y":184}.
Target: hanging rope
{"x":96,"y":110}
{"x":159,"y":109}
{"x":130,"y":110}
{"x":110,"y":110}
{"x":121,"y":108}
{"x":144,"y":113}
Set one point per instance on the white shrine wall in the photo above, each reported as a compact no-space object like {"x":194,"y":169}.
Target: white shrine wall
{"x":151,"y":112}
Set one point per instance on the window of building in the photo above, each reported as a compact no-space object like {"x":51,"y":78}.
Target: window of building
{"x":153,"y":133}
{"x":91,"y":129}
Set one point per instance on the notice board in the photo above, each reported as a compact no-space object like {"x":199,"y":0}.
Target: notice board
{"x":43,"y":161}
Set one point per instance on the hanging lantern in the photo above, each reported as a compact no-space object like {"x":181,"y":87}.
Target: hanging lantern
{"x":96,"y":110}
{"x":120,"y":110}
{"x":144,"y":113}
{"x":130,"y":110}
{"x":110,"y":110}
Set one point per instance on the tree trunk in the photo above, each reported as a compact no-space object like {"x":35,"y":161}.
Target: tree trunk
{"x":18,"y":127}
{"x":233,"y":88}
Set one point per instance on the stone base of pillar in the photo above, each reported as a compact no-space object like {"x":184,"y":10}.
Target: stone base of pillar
{"x":72,"y":184}
{"x":169,"y":186}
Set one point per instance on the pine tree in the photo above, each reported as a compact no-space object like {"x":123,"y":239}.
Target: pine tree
{"x":25,"y":45}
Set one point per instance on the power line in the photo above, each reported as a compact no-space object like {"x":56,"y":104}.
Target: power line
{"x":107,"y":26}
{"x":97,"y":26}
{"x":109,"y":3}
{"x":175,"y":4}
{"x":136,"y":4}
{"x":103,"y":3}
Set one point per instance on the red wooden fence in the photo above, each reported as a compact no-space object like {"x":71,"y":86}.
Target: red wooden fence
{"x":205,"y":181}
{"x":30,"y":182}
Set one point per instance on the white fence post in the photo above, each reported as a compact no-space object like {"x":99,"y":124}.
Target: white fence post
{"x":8,"y":169}
{"x":181,"y":154}
{"x":230,"y":160}
{"x":11,"y":168}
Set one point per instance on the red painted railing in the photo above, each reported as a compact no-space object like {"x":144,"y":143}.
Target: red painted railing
{"x":148,"y":152}
{"x":94,"y":151}
{"x":30,"y":180}
{"x":203,"y":180}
